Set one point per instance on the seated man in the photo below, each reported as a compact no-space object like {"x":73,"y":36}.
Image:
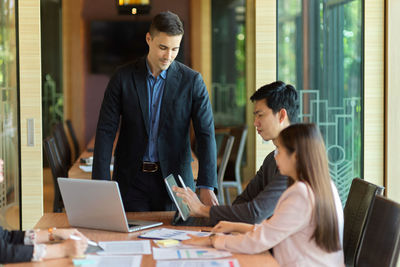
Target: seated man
{"x":276,"y":106}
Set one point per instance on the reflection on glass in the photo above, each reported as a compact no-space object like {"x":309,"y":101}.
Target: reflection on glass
{"x":320,"y":52}
{"x":9,"y":189}
{"x":228,"y":62}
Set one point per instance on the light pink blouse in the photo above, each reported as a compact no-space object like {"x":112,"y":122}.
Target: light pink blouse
{"x":288,"y":232}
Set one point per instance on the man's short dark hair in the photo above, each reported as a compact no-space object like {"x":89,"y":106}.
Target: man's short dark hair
{"x":279,"y":95}
{"x":166,"y":22}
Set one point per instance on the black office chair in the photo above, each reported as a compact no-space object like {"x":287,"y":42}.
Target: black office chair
{"x":229,"y":140}
{"x":62,"y":145}
{"x":356,"y":213}
{"x":57,"y":170}
{"x":73,"y":138}
{"x":380,"y":242}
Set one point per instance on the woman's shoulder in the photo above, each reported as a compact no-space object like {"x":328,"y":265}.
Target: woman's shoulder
{"x":299,"y":191}
{"x":300,"y":188}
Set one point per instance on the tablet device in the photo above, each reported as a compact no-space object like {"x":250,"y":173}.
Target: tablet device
{"x":182,"y":207}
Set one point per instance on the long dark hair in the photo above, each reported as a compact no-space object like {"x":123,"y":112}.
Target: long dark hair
{"x":312,"y":168}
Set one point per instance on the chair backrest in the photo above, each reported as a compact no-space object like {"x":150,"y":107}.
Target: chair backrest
{"x":62,"y":145}
{"x":235,"y":160}
{"x":356,"y":213}
{"x":73,"y":138}
{"x":229,"y":140}
{"x":57,"y":169}
{"x":380,"y":242}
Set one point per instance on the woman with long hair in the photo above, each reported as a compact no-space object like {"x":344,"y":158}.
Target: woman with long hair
{"x":307,"y":226}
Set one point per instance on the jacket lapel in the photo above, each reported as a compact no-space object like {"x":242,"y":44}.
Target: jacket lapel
{"x":139,"y":78}
{"x":170,"y":90}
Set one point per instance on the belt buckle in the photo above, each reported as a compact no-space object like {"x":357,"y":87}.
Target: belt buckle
{"x":149,"y":166}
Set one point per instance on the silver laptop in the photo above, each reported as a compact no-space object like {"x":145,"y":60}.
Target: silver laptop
{"x":97,"y":204}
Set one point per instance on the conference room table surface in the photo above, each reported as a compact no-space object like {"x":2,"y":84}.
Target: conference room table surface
{"x":76,"y":172}
{"x":59,"y":220}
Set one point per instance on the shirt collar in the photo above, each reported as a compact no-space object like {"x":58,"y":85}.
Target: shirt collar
{"x":163,"y":74}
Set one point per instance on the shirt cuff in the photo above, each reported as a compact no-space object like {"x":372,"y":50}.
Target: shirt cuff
{"x":39,"y":252}
{"x":205,"y":187}
{"x":30,"y":237}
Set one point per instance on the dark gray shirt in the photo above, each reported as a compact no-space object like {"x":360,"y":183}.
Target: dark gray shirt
{"x":257,"y":202}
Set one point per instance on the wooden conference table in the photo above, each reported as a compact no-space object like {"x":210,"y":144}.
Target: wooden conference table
{"x":60,"y":220}
{"x":76,"y":172}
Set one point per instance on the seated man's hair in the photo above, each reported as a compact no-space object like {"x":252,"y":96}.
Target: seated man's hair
{"x":279,"y":95}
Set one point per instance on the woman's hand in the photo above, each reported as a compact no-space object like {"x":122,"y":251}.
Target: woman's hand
{"x":43,"y":236}
{"x":198,"y":241}
{"x":196,"y":207}
{"x":68,"y":248}
{"x":65,"y":233}
{"x":75,"y":248}
{"x":229,"y":227}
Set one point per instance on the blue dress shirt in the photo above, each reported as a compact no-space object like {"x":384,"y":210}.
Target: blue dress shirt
{"x":155,"y":91}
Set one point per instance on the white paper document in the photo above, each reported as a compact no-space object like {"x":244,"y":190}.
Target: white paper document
{"x":165,"y":233}
{"x":109,"y":261}
{"x":88,"y":168}
{"x":199,"y":263}
{"x":125,"y":247}
{"x":197,"y":253}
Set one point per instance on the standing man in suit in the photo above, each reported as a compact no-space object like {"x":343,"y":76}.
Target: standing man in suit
{"x":152,"y":102}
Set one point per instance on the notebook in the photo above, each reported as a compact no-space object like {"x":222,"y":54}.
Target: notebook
{"x":97,"y":204}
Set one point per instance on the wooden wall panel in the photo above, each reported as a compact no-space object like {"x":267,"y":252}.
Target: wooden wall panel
{"x":200,"y":35}
{"x":265,"y":61}
{"x":374,"y":91}
{"x":30,"y":108}
{"x":250,"y":168}
{"x":73,"y":66}
{"x":392,"y":99}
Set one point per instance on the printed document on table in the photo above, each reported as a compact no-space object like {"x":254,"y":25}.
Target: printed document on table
{"x":165,"y":233}
{"x":197,"y":253}
{"x":106,"y":261}
{"x":199,"y":263}
{"x":125,"y":247}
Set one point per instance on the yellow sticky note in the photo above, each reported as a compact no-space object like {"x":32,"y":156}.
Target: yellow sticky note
{"x":167,"y":242}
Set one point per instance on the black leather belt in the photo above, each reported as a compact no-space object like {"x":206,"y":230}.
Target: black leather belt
{"x":150,"y":166}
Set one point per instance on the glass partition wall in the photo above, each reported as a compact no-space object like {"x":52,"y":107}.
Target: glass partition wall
{"x":228,"y":62}
{"x":9,"y":141}
{"x":320,"y":52}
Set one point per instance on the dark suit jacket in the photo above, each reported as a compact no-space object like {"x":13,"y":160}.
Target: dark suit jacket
{"x":257,"y":202}
{"x":12,"y":248}
{"x":125,"y":105}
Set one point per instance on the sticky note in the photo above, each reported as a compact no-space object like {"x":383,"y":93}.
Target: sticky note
{"x":167,"y":242}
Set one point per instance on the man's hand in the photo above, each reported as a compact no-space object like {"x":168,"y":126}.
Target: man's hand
{"x":208,"y":197}
{"x":197,"y":209}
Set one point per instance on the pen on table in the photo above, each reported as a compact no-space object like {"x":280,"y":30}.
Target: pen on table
{"x":183,"y":184}
{"x":90,"y":242}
